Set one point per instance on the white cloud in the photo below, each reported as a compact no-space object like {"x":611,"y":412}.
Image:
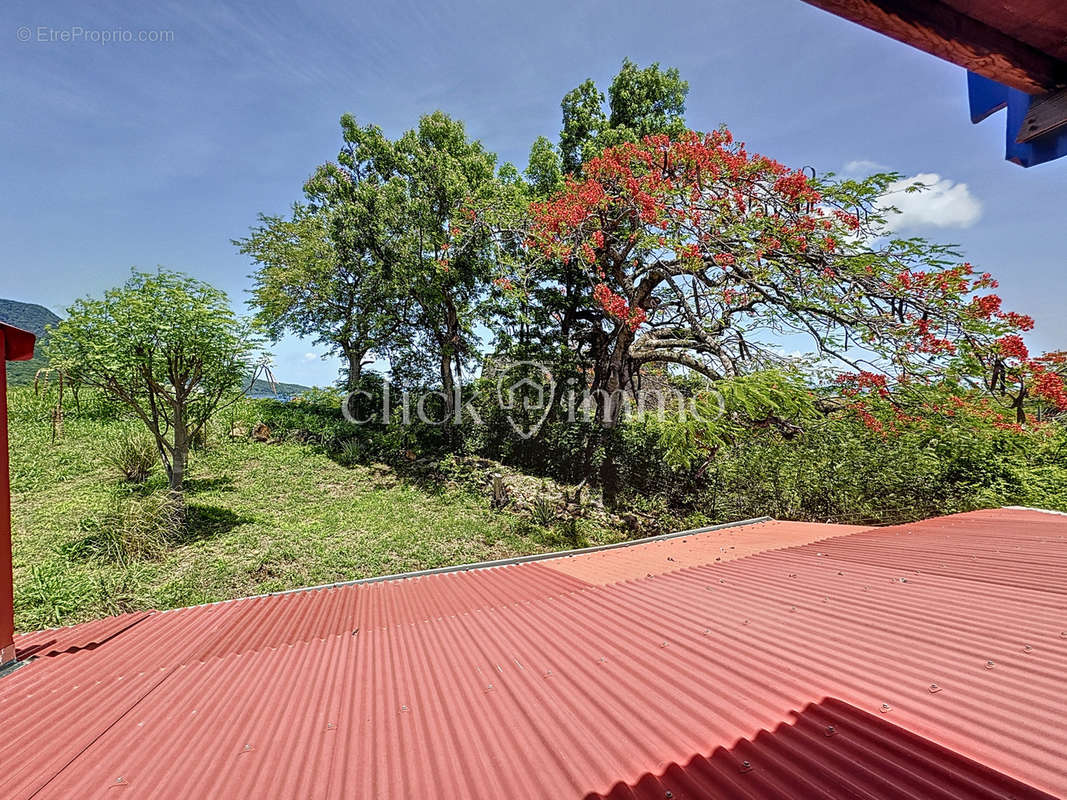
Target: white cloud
{"x":864,"y":167}
{"x":941,"y":204}
{"x":310,"y":356}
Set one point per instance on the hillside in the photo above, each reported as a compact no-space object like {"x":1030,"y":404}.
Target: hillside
{"x":30,"y":317}
{"x":283,"y":391}
{"x":262,"y":518}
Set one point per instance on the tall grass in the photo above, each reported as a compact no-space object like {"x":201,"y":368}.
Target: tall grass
{"x":132,"y":455}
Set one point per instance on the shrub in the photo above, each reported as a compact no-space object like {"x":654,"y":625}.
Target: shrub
{"x":351,"y":452}
{"x":543,"y":511}
{"x":132,"y":455}
{"x":136,"y":527}
{"x":314,"y":417}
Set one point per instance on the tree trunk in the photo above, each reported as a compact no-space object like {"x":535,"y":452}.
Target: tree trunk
{"x":448,"y":385}
{"x":613,"y":381}
{"x":179,"y":458}
{"x":355,"y":368}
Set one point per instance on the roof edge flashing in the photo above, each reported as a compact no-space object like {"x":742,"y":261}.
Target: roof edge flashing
{"x":1034,"y":508}
{"x":500,"y":562}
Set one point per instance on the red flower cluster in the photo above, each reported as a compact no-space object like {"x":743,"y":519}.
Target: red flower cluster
{"x":1023,"y":322}
{"x":1049,"y":386}
{"x":1012,"y":346}
{"x":851,"y":221}
{"x":936,"y":344}
{"x":855,"y":382}
{"x":870,"y":420}
{"x":797,"y":187}
{"x":617,"y":307}
{"x":985,"y":307}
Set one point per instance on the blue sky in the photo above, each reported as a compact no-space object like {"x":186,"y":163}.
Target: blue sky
{"x":143,"y":153}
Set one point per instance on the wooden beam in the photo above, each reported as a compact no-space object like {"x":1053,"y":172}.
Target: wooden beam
{"x":946,"y":33}
{"x":1046,"y":114}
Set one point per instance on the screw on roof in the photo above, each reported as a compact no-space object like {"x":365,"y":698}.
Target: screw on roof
{"x":934,"y":688}
{"x":830,"y":730}
{"x":885,"y":707}
{"x":746,"y":766}
{"x":989,"y":665}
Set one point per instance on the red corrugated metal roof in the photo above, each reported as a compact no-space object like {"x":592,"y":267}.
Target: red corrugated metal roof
{"x":668,"y":555}
{"x":927,"y":660}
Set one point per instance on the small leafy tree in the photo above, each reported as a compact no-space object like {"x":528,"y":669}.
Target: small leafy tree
{"x":166,"y":346}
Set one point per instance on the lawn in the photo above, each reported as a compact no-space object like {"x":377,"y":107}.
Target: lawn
{"x":262,"y":518}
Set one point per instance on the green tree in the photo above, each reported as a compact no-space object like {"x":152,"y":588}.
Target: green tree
{"x":318,"y":277}
{"x":401,"y":199}
{"x":641,"y":102}
{"x":166,"y":346}
{"x":548,"y":314}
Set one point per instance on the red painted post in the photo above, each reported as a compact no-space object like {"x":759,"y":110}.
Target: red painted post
{"x":15,"y":345}
{"x":7,"y":589}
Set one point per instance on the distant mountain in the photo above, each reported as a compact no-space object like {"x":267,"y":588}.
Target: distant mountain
{"x":285,"y":391}
{"x":33,"y":318}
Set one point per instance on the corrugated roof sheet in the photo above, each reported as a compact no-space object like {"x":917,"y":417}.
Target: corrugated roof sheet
{"x":927,"y":660}
{"x":668,"y":555}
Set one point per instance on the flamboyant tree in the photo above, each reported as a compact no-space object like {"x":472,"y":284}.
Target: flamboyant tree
{"x":548,"y":315}
{"x":697,"y":253}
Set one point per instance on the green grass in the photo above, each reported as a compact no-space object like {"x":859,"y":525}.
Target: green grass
{"x":262,"y":518}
